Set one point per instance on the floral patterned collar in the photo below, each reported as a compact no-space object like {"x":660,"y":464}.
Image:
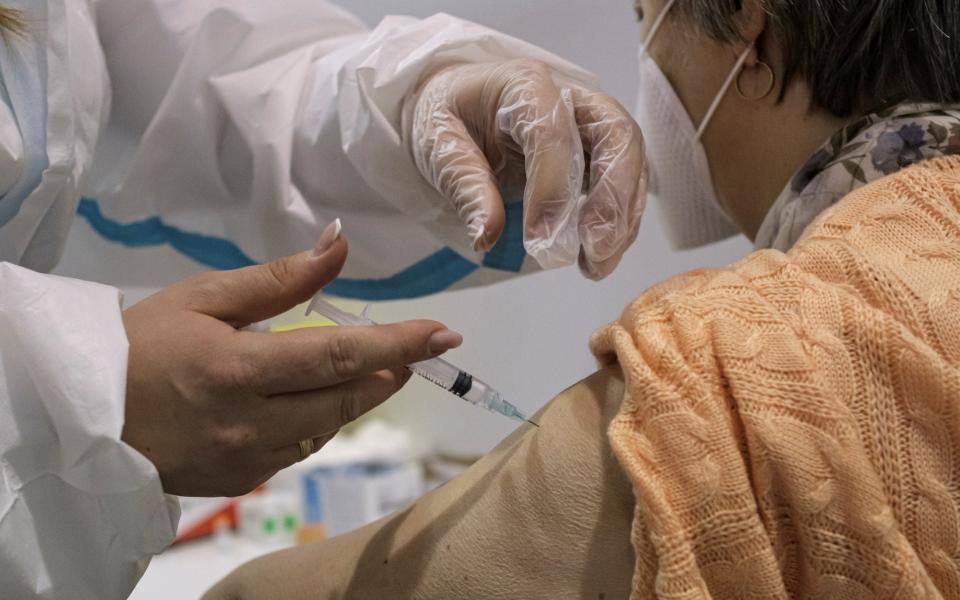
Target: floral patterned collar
{"x":872,"y":147}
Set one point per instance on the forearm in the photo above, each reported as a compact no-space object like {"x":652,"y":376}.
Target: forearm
{"x":284,"y":117}
{"x":146,"y":42}
{"x":546,"y":514}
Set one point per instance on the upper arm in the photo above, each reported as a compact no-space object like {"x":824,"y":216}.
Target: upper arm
{"x":546,"y":514}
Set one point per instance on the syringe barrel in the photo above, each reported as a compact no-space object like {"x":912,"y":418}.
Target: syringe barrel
{"x":481,"y":394}
{"x":461,"y":383}
{"x":439,"y":372}
{"x":435,"y":370}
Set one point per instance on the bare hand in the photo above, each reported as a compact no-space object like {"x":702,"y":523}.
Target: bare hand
{"x":219,"y":410}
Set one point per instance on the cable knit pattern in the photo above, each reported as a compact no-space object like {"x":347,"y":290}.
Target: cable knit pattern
{"x":790,"y":424}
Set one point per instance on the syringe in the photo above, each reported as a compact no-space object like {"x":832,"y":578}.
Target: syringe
{"x":435,"y":370}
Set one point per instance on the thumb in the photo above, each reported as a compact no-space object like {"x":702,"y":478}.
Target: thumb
{"x":539,"y":116}
{"x":460,"y":171}
{"x":448,"y":156}
{"x":254,"y":294}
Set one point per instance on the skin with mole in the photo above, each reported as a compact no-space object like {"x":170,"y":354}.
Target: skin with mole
{"x":547,"y":514}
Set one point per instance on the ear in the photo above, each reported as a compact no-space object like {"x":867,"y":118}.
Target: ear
{"x":751,"y":22}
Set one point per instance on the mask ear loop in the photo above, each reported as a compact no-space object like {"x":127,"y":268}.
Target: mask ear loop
{"x":722,"y":93}
{"x":656,"y":26}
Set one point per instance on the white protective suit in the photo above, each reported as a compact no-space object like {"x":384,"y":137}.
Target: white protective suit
{"x":238,"y":128}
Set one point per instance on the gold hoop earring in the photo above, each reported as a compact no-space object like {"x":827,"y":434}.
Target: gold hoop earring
{"x":773,"y":81}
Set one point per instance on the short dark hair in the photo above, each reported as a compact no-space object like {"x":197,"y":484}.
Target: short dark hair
{"x":856,"y":55}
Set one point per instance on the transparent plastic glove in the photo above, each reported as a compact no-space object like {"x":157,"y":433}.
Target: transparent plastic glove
{"x":576,"y":154}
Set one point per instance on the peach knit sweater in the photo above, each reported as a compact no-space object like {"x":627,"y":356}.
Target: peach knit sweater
{"x":791,"y":424}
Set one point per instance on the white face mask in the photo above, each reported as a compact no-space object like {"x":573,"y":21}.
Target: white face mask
{"x":680,"y":180}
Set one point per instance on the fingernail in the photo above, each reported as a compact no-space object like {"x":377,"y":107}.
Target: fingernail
{"x":330,"y":235}
{"x":590,"y":269}
{"x":443,"y":340}
{"x":476,"y":229}
{"x":600,"y":238}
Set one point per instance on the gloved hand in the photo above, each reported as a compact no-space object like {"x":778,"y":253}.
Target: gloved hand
{"x":479,"y":128}
{"x":219,"y":410}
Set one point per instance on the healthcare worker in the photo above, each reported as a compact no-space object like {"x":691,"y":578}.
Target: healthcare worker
{"x":236,"y":132}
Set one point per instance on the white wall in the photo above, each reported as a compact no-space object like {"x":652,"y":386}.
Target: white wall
{"x":601,"y":35}
{"x":526,"y":337}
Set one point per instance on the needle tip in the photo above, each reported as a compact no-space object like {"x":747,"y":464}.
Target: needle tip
{"x":532,"y":423}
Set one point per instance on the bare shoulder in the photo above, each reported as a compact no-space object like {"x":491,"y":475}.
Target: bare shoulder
{"x":546,"y":514}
